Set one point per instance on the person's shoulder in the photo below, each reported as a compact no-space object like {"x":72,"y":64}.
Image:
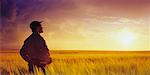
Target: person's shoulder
{"x":30,"y":38}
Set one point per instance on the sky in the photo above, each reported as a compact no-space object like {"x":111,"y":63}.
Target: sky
{"x":78,"y":24}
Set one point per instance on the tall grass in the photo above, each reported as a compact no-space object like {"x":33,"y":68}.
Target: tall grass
{"x":81,"y":64}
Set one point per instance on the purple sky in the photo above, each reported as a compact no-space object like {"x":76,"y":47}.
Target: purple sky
{"x":70,"y":19}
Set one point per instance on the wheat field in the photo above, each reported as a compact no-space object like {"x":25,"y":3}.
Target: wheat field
{"x":81,"y":63}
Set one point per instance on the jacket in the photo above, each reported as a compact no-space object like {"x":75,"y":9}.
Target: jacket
{"x":34,"y":50}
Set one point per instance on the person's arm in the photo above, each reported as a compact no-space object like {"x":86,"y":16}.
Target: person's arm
{"x":48,"y":52}
{"x":24,"y":52}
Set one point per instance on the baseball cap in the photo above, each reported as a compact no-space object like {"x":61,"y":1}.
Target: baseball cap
{"x":35,"y":24}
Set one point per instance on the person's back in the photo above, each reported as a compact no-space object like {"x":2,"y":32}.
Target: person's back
{"x":35,"y":50}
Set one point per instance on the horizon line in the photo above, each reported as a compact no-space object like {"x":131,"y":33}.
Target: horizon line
{"x":83,"y":50}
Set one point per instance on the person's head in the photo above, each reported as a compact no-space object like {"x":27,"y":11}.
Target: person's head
{"x":36,"y":26}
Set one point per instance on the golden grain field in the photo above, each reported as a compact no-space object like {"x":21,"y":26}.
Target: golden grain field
{"x":81,"y":63}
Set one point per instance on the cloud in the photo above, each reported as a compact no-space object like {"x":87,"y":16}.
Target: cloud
{"x":8,"y":24}
{"x":17,"y":14}
{"x":66,"y":18}
{"x":119,"y":8}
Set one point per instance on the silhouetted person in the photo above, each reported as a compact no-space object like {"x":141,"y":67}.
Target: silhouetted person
{"x":35,"y":50}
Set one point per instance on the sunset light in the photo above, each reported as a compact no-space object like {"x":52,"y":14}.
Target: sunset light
{"x":79,"y":24}
{"x":126,"y":38}
{"x":75,"y":37}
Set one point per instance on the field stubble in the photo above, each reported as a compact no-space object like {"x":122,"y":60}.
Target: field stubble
{"x":81,"y":63}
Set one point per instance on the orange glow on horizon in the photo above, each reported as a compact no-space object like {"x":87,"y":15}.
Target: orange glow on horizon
{"x":94,"y":37}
